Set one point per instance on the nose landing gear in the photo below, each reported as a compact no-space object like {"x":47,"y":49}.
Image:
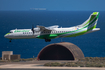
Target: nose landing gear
{"x":10,"y":40}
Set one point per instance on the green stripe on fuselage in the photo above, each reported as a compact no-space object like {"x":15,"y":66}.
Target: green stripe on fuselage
{"x":77,"y":34}
{"x":82,"y":32}
{"x":21,"y":30}
{"x":48,"y":36}
{"x":52,"y":36}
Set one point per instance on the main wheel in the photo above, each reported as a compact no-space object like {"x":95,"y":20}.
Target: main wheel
{"x":10,"y":41}
{"x":47,"y":40}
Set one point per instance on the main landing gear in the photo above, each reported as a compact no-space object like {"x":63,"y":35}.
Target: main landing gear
{"x":47,"y":40}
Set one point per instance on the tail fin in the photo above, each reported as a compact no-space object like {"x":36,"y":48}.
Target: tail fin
{"x":91,"y":22}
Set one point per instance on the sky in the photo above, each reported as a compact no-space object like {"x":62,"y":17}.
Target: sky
{"x":52,"y":5}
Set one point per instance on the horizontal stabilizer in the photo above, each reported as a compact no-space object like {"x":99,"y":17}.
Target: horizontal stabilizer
{"x":94,"y":30}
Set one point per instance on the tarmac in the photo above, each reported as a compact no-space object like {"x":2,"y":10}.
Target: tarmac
{"x":39,"y":65}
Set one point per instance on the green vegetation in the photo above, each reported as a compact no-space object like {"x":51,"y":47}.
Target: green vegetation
{"x":29,"y":59}
{"x":53,"y":64}
{"x":86,"y":62}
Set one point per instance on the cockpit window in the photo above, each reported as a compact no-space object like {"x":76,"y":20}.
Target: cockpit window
{"x":11,"y":32}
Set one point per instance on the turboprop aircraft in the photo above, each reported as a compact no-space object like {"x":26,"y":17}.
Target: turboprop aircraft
{"x":53,"y":32}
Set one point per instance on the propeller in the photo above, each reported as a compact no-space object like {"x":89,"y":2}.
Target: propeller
{"x":32,"y":29}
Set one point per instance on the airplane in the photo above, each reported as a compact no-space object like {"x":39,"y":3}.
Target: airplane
{"x":53,"y":32}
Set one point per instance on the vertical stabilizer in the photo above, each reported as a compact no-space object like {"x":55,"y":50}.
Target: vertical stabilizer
{"x":91,"y":22}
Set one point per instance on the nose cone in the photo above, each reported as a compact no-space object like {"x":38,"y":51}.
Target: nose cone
{"x":6,"y":35}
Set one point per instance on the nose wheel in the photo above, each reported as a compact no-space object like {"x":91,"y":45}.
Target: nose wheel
{"x":10,"y":40}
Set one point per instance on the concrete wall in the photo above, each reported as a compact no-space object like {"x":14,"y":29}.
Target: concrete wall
{"x":14,"y":57}
{"x":6,"y":55}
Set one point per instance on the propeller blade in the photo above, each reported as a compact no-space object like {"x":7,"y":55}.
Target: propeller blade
{"x":32,"y":29}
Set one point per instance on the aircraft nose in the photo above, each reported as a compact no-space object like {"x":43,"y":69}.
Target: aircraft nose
{"x":6,"y":36}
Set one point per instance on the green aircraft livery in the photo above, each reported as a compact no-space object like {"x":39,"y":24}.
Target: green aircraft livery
{"x":53,"y":32}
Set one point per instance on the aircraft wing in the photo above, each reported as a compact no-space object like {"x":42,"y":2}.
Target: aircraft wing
{"x":42,"y":28}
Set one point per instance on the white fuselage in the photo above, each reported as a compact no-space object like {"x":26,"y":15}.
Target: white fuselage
{"x":52,"y":32}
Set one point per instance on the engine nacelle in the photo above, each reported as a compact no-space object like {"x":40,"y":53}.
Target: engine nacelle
{"x":37,"y":29}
